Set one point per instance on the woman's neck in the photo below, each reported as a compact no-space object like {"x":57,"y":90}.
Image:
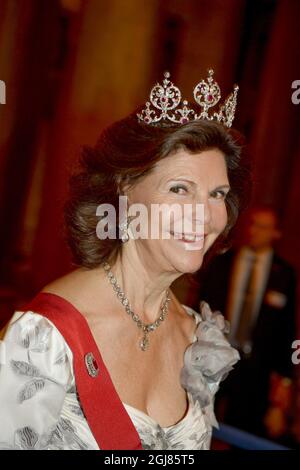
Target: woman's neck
{"x":144,"y":285}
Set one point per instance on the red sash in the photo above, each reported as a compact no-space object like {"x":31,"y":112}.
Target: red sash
{"x":108,"y":420}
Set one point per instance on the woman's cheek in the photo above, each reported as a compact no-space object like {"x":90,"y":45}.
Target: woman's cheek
{"x":221,"y":219}
{"x":224,"y":217}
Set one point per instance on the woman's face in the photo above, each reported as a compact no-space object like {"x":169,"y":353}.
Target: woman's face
{"x":198,"y":184}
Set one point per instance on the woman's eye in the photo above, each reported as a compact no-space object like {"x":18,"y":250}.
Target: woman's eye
{"x":178,"y":189}
{"x":219,"y":194}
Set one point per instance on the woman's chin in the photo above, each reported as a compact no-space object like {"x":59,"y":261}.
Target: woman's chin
{"x":189,"y":263}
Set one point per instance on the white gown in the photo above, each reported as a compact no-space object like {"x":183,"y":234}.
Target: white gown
{"x":40,"y":409}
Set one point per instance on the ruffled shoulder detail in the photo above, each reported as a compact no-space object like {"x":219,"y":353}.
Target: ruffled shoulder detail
{"x":208,"y":360}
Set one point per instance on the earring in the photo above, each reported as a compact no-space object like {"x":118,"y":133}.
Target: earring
{"x":124,"y":230}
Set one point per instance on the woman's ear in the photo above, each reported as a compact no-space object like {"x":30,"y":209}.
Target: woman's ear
{"x":123,"y":186}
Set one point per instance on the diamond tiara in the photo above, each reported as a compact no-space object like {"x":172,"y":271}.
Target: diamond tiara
{"x":166,"y":98}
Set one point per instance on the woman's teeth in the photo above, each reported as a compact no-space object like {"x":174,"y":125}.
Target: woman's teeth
{"x":187,"y":237}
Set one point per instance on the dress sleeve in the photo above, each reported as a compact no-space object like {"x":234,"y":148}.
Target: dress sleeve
{"x":35,"y":375}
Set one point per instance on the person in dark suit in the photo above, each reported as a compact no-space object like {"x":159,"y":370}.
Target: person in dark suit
{"x":255,"y":289}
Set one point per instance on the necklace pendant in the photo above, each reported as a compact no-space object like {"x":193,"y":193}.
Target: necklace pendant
{"x":144,"y":343}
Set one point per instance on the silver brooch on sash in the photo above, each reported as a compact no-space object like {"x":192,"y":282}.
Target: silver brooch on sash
{"x":91,"y":364}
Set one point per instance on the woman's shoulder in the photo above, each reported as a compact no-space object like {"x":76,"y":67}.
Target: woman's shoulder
{"x":34,"y":347}
{"x":36,"y":324}
{"x":84,"y":289}
{"x":31,"y":330}
{"x":70,"y":287}
{"x":193,"y":313}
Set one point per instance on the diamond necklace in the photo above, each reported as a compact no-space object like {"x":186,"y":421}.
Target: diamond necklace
{"x":146,"y":328}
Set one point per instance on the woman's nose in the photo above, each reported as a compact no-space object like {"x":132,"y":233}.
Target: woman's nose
{"x":202,"y":215}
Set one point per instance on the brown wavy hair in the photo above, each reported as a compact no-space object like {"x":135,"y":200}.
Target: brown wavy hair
{"x":126,"y":152}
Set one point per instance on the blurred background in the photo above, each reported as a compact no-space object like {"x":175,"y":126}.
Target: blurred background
{"x":71,"y":67}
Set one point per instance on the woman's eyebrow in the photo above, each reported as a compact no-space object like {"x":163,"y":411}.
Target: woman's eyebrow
{"x":223,"y":186}
{"x":181,"y":179}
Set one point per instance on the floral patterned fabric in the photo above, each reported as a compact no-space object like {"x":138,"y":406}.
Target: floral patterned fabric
{"x":40,"y":409}
{"x":192,"y":432}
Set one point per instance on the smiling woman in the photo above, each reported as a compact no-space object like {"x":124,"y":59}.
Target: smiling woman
{"x":126,"y":152}
{"x":106,"y":357}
